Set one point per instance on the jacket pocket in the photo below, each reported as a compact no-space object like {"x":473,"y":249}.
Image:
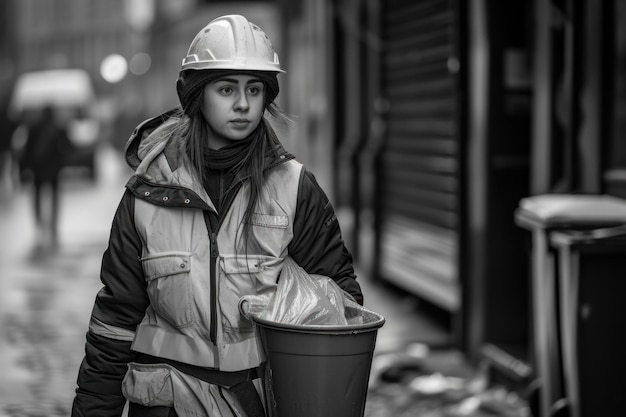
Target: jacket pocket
{"x":148,"y":385}
{"x":169,"y":287}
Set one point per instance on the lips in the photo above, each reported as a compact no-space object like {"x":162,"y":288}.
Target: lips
{"x":240,"y":122}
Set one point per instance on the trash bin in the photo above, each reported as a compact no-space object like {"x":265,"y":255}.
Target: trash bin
{"x":592,"y":287}
{"x":543,"y":215}
{"x":318,"y":370}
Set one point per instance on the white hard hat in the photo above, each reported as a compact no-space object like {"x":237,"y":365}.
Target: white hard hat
{"x":231,"y":42}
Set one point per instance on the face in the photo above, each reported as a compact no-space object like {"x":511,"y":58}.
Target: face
{"x":233,"y":107}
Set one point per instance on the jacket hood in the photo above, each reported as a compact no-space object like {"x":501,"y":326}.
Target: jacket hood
{"x":147,"y":135}
{"x":155,"y":152}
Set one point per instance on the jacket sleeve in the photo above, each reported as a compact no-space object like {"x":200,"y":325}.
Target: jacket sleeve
{"x":317,"y":245}
{"x":119,"y":307}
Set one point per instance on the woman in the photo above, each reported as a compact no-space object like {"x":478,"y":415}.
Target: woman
{"x":214,"y":207}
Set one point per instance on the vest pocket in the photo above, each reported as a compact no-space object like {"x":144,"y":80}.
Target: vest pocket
{"x":169,"y":288}
{"x":242,"y":275}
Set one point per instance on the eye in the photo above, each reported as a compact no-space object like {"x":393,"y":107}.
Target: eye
{"x":255,"y":90}
{"x":226,"y":90}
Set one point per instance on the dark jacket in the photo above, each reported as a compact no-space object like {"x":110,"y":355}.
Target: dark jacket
{"x":317,"y":246}
{"x":46,"y":148}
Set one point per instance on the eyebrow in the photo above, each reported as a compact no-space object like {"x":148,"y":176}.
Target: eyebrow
{"x":235,"y":81}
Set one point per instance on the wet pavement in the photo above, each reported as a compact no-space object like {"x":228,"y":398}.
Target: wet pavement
{"x":47,"y":292}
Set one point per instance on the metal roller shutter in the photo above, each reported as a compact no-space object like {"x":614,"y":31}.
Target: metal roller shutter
{"x":420,"y":184}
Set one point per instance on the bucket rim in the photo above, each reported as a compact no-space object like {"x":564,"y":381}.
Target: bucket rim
{"x":324,"y":329}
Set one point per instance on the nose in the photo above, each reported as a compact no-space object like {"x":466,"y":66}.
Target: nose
{"x":241,"y":104}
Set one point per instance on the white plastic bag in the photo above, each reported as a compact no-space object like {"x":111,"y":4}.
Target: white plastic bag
{"x":303,"y":299}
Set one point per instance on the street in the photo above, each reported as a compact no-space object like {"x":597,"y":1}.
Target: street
{"x":46,"y":293}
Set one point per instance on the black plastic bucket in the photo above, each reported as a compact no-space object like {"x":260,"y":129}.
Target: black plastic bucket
{"x":318,"y":371}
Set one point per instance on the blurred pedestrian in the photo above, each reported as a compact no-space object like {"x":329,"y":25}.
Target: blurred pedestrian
{"x":7,"y":128}
{"x":43,"y":156}
{"x":214,"y":207}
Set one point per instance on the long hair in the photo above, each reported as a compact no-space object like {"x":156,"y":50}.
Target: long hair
{"x":195,"y":133}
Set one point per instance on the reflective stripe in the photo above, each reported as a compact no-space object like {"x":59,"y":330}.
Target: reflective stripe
{"x":171,"y":344}
{"x":111,"y":332}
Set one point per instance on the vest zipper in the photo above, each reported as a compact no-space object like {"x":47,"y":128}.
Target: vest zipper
{"x":211,"y":221}
{"x":213,"y":283}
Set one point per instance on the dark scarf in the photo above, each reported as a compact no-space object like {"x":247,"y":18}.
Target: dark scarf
{"x":220,"y":162}
{"x":225,"y":158}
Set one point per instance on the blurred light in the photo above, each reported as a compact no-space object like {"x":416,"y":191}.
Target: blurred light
{"x":113,"y":68}
{"x":139,"y":13}
{"x":140,"y":63}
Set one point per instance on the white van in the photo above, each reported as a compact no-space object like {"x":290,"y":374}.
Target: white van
{"x":71,"y":93}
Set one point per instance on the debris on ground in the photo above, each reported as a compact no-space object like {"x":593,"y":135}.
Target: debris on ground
{"x":417,"y":381}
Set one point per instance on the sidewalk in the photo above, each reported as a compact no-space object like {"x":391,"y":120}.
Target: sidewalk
{"x":46,"y":293}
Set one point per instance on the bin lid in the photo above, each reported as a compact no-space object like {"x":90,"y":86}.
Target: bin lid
{"x":570,"y":210}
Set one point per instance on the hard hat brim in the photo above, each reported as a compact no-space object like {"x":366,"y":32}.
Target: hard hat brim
{"x":228,"y":65}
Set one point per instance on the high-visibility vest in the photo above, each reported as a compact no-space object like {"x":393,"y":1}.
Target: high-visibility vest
{"x":196,"y":276}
